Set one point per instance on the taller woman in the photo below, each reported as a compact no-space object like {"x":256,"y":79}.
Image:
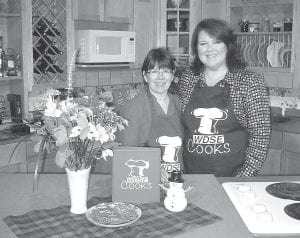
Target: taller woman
{"x":226,"y":115}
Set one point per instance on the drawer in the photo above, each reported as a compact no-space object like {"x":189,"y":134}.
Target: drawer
{"x":291,"y":142}
{"x":276,"y":139}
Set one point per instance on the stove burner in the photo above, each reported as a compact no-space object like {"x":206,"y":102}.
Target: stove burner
{"x":293,"y":210}
{"x":285,"y":190}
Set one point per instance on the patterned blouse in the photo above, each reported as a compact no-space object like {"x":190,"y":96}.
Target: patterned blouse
{"x":250,"y":101}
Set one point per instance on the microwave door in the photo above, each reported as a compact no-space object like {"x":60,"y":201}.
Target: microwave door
{"x":108,"y":48}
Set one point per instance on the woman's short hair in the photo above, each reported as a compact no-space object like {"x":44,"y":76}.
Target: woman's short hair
{"x":220,"y":30}
{"x":158,"y":57}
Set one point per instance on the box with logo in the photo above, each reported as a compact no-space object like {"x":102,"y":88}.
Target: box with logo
{"x":136,"y":175}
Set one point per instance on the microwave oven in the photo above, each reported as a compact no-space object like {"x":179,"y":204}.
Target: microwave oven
{"x":105,"y":46}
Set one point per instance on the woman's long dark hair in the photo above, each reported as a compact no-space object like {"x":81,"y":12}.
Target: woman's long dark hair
{"x":220,"y":30}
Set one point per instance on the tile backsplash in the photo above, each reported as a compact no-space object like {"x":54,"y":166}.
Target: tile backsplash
{"x":94,"y":77}
{"x":117,"y":85}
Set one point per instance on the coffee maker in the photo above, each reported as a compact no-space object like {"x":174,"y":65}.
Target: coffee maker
{"x":15,"y":105}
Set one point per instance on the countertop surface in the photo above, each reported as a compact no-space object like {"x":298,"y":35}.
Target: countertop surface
{"x":291,"y":126}
{"x":17,"y":198}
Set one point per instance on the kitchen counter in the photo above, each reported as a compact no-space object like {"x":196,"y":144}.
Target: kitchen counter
{"x":17,"y":198}
{"x":292,"y":126}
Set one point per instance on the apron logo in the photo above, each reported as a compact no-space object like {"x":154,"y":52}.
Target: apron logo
{"x":170,"y":147}
{"x":208,"y":142}
{"x":209,"y":117}
{"x":136,"y":178}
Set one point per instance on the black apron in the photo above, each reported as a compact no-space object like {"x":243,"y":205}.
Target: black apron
{"x":165,"y":125}
{"x":214,"y":141}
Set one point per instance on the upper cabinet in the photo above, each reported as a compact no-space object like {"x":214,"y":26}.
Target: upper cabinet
{"x":177,"y":22}
{"x":92,"y":10}
{"x":10,"y":40}
{"x":120,"y":11}
{"x":266,"y":32}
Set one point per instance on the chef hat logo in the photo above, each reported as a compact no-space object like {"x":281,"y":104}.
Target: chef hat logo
{"x":137,"y":167}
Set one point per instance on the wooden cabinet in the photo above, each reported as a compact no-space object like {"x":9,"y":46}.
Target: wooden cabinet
{"x":213,"y":9}
{"x":11,"y":34}
{"x":177,"y":22}
{"x":120,"y":11}
{"x":10,"y":31}
{"x":283,"y":155}
{"x":92,"y":10}
{"x":145,"y":27}
{"x":266,"y":32}
{"x":271,"y":165}
{"x":290,"y":161}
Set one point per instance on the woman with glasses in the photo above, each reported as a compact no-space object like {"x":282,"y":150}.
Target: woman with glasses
{"x":154,"y":116}
{"x":226,"y":116}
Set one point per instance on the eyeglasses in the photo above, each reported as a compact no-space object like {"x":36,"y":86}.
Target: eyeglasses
{"x":156,"y":72}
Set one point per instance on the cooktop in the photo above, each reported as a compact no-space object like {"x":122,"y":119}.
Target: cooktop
{"x":267,"y":207}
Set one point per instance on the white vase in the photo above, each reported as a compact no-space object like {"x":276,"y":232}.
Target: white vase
{"x":78,"y":187}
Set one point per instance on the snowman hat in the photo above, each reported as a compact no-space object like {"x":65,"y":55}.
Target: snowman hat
{"x":176,"y":177}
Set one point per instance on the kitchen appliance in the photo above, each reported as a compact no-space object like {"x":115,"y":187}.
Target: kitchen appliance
{"x":105,"y":46}
{"x":262,"y":212}
{"x":15,"y":105}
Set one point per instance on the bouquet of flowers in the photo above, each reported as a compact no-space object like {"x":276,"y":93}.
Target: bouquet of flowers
{"x":78,"y":132}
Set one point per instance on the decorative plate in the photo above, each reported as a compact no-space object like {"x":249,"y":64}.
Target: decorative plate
{"x":285,"y":190}
{"x":262,"y":54}
{"x":113,"y":214}
{"x":253,"y":54}
{"x":293,"y":210}
{"x":287,"y":55}
{"x":273,"y":53}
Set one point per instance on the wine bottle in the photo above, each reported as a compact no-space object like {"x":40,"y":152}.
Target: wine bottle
{"x":54,"y":69}
{"x":57,"y":68}
{"x":46,"y":31}
{"x":52,"y":31}
{"x":53,"y":50}
{"x":43,"y":21}
{"x":40,"y":68}
{"x":46,"y":40}
{"x":46,"y":49}
{"x":48,"y":60}
{"x":36,"y":54}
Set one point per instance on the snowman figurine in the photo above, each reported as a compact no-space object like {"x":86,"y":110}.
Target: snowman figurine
{"x":175,"y":200}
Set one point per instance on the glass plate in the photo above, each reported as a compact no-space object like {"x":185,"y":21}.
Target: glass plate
{"x":113,"y":214}
{"x":286,"y":190}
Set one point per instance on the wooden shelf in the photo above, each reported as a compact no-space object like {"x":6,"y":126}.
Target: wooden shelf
{"x":179,"y":9}
{"x":264,"y":33}
{"x":10,"y":15}
{"x":11,"y":78}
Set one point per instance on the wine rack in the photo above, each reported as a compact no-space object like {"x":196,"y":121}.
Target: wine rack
{"x":49,"y":41}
